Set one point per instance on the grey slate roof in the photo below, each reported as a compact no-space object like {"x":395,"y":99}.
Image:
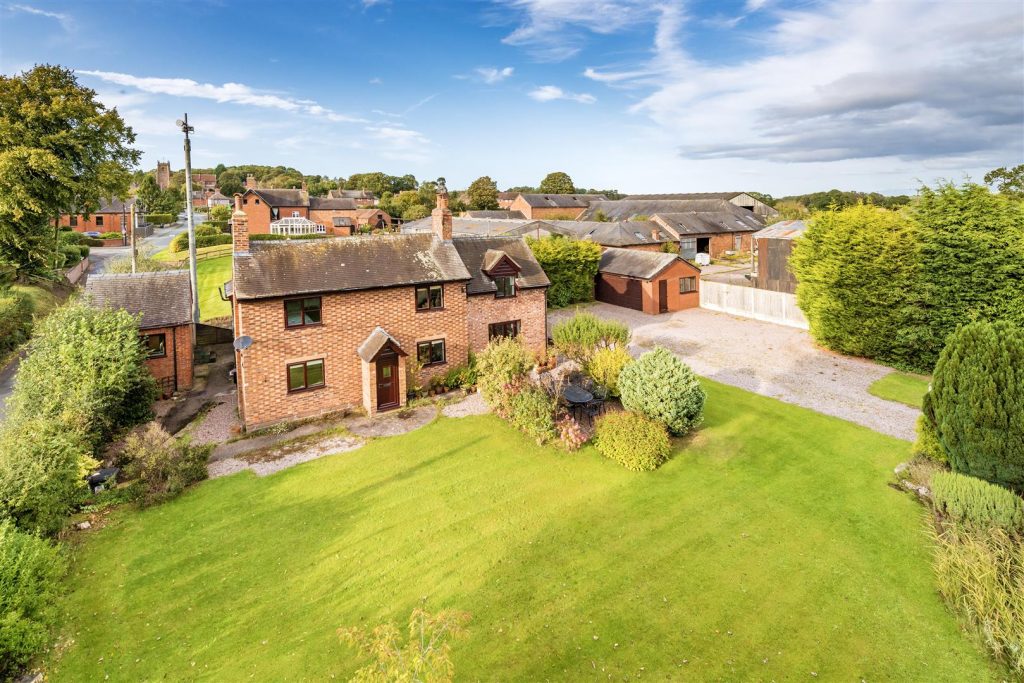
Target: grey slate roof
{"x":625,"y":209}
{"x":494,"y":214}
{"x":643,"y":265}
{"x":287,"y":267}
{"x":616,"y":233}
{"x":372,"y":345}
{"x":562,"y":201}
{"x":686,"y":195}
{"x":351,"y":194}
{"x":469,"y":226}
{"x":710,"y":222}
{"x":164,"y":298}
{"x":329,"y":204}
{"x":473,"y":252}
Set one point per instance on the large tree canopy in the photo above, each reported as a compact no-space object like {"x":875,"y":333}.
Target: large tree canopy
{"x":557,"y":183}
{"x":61,"y":151}
{"x":482,"y":194}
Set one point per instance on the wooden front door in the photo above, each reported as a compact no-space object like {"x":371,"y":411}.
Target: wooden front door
{"x":662,"y":296}
{"x":387,"y":380}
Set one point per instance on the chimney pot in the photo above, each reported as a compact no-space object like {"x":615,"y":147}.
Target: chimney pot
{"x":239,"y":228}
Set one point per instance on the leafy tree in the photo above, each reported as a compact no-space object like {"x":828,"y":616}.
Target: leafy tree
{"x":1009,"y":182}
{"x":858,"y":273}
{"x":763,"y":197}
{"x":218,"y":169}
{"x":789,"y":210}
{"x":220,"y":213}
{"x":61,"y":151}
{"x":482,"y":194}
{"x":152,"y":199}
{"x":571,"y":265}
{"x":415,"y":212}
{"x":971,"y":261}
{"x":423,"y":657}
{"x":379,"y":183}
{"x":976,"y":402}
{"x":819,"y":201}
{"x":557,"y":183}
{"x":230,"y":183}
{"x":319,"y":186}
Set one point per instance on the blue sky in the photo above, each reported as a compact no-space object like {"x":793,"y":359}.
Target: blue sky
{"x":780,"y":97}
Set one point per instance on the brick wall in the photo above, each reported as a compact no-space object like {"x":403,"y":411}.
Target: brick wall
{"x":529,"y":306}
{"x":259,"y":214}
{"x":348,"y":319}
{"x":111,"y":222}
{"x":722,"y":243}
{"x":178,"y":345}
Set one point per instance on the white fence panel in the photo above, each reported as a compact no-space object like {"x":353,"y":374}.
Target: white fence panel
{"x":749,"y":302}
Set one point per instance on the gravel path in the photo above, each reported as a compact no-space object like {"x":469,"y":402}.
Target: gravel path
{"x":276,"y":460}
{"x":471,"y":405}
{"x":770,"y":360}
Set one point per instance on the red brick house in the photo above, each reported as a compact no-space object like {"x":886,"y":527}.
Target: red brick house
{"x":554,"y":206}
{"x":265,"y":206}
{"x":651,"y":282}
{"x":337,"y":323}
{"x":113,"y":215}
{"x":164,"y":301}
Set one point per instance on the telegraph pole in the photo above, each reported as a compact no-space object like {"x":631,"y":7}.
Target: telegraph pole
{"x":132,"y":226}
{"x":186,"y":129}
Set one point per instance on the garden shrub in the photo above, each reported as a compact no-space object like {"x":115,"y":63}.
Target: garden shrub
{"x":206,"y":229}
{"x":71,"y":254}
{"x":980,"y":573}
{"x":532,"y":411}
{"x":163,"y":466}
{"x":221,"y":226}
{"x":208,"y":238}
{"x":664,"y":388}
{"x":571,"y":265}
{"x":160,"y":218}
{"x":71,"y":237}
{"x":976,"y":502}
{"x":605,"y":366}
{"x":570,"y":433}
{"x":42,"y":464}
{"x":500,"y":367}
{"x":113,"y":235}
{"x":15,"y":319}
{"x":212,"y":240}
{"x":220,"y":213}
{"x":92,"y":242}
{"x":30,"y":573}
{"x":977,"y":402}
{"x":927,"y":444}
{"x":584,"y":333}
{"x":634,"y":441}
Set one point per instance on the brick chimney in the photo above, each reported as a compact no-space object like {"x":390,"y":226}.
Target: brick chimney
{"x":250,"y":182}
{"x":441,"y":217}
{"x":240,"y":228}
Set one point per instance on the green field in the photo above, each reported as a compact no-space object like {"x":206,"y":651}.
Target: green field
{"x":902,"y":387}
{"x":768,"y":548}
{"x":211,"y":274}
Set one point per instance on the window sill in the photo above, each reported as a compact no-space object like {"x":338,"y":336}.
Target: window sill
{"x":300,"y":327}
{"x":306,"y":389}
{"x":429,"y":310}
{"x":434,"y":365}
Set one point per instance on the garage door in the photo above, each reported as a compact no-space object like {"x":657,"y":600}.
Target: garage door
{"x":620,"y":291}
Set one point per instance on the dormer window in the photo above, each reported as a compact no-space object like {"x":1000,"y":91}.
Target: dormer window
{"x":506,"y":286}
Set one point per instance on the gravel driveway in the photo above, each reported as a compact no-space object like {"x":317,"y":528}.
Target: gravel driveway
{"x":771,"y":360}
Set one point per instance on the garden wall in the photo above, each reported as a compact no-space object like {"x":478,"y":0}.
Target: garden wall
{"x":748,"y":302}
{"x":75,"y":273}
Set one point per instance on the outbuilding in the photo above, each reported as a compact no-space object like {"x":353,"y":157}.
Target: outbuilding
{"x":770,"y":257}
{"x":652,"y":282}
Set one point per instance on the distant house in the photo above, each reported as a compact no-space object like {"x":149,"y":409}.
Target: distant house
{"x":500,"y":213}
{"x":554,"y":206}
{"x":647,"y":281}
{"x":266,"y":206}
{"x":505,"y":199}
{"x":770,"y":258}
{"x":217,"y":199}
{"x":349,"y":322}
{"x":164,"y":301}
{"x":740,"y":199}
{"x":113,"y":215}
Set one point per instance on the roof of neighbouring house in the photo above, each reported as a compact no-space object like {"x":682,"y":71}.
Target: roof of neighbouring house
{"x":626,"y":209}
{"x":217,"y":195}
{"x":561,"y":201}
{"x":163,"y":298}
{"x":372,"y":345}
{"x":283,"y":268}
{"x":474,"y":250}
{"x":709,"y":222}
{"x":469,"y":226}
{"x":685,"y":195}
{"x":643,"y":265}
{"x":350,"y":194}
{"x":614,"y":233}
{"x":329,"y":204}
{"x":281,"y":197}
{"x":115,"y":205}
{"x":783,"y":230}
{"x":493,"y":214}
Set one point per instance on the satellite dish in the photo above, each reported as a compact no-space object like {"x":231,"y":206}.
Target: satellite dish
{"x":242,"y":343}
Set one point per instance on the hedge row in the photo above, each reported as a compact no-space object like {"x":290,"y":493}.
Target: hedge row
{"x":571,"y":265}
{"x":160,"y":218}
{"x":15,"y":319}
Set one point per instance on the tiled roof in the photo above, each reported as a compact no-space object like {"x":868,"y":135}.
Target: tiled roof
{"x":493,"y":214}
{"x":616,"y":233}
{"x":473,"y":252}
{"x":685,"y":195}
{"x":283,"y":268}
{"x":372,"y":345}
{"x":709,"y":222}
{"x":281,"y":197}
{"x":562,"y":201}
{"x":643,"y":265}
{"x":469,"y":226}
{"x":163,"y":298}
{"x":329,"y":204}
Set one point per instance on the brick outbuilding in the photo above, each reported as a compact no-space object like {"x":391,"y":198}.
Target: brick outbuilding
{"x":163,"y":299}
{"x":651,"y":282}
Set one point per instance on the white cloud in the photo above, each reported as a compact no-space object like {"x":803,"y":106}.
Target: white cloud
{"x":912,"y":80}
{"x":554,"y":30}
{"x":234,"y":93}
{"x":549,"y":93}
{"x":65,"y":20}
{"x":491,"y":75}
{"x":399,"y":143}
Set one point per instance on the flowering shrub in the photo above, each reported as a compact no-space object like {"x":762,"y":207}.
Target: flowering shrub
{"x":570,"y":433}
{"x":634,"y":441}
{"x":605,"y":366}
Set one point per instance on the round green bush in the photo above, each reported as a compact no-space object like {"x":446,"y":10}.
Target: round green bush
{"x":113,"y":235}
{"x":160,"y":218}
{"x":664,"y":388}
{"x":976,"y":502}
{"x":634,"y":441}
{"x":977,"y":402}
{"x":207,"y":229}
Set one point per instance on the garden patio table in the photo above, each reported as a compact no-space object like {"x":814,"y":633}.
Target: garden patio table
{"x":576,"y":397}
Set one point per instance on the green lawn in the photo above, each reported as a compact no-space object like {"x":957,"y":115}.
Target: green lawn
{"x":769,"y":547}
{"x":902,"y":387}
{"x":211,"y":275}
{"x":177,"y":256}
